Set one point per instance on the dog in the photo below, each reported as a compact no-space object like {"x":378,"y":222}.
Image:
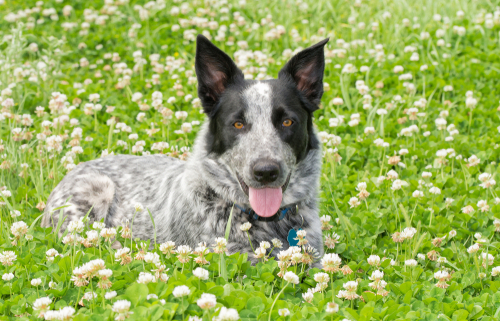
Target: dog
{"x":257,"y":155}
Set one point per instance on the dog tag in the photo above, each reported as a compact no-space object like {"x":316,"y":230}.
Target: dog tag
{"x":292,"y":237}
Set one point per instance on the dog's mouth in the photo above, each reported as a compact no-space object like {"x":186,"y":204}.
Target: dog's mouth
{"x":265,"y":201}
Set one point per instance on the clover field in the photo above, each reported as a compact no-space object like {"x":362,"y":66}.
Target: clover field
{"x":409,"y":121}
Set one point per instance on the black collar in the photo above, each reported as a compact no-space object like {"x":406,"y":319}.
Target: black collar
{"x":278,"y":216}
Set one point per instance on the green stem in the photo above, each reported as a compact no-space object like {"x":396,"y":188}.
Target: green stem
{"x":274,"y":302}
{"x":110,"y":136}
{"x":249,"y":240}
{"x":470,"y":121}
{"x":432,"y":211}
{"x":78,"y":296}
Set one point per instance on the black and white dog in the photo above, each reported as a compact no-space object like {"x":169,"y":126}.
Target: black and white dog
{"x":257,"y":150}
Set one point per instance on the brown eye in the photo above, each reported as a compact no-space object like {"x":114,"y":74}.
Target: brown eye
{"x":287,"y":123}
{"x":238,"y":125}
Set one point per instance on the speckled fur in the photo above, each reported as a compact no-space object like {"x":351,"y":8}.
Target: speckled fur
{"x":191,"y":200}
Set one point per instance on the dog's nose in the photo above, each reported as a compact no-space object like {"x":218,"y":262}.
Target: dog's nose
{"x":266,"y":171}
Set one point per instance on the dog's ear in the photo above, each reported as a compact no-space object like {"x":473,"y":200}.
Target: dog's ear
{"x":215,"y":71}
{"x":305,"y":70}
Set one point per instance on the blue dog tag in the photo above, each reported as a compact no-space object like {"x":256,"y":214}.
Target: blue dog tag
{"x":292,"y":237}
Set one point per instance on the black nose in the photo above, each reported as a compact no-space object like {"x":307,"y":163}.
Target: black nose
{"x":266,"y":171}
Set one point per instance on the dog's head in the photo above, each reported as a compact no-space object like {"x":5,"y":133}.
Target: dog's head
{"x":260,"y":130}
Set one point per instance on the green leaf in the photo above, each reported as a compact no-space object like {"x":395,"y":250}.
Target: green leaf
{"x":405,"y":287}
{"x":468,"y":279}
{"x":366,"y":313}
{"x":267,"y":277}
{"x":137,"y":293}
{"x":170,"y":310}
{"x":476,"y":312}
{"x":119,"y":284}
{"x":350,"y":151}
{"x":369,"y":296}
{"x":156,"y":312}
{"x":352,"y":314}
{"x":460,"y":315}
{"x":228,"y":225}
{"x":154,"y":225}
{"x":255,"y":304}
{"x":223,"y":267}
{"x":216,"y":290}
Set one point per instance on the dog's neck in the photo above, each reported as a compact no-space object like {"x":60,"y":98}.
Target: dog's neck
{"x":209,"y":172}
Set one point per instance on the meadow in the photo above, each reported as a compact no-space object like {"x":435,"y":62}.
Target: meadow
{"x":410,"y":126}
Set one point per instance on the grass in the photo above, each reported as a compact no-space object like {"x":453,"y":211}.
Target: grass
{"x":392,"y":64}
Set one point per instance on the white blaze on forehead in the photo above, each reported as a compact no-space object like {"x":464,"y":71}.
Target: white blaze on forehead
{"x":262,"y":139}
{"x":258,"y":98}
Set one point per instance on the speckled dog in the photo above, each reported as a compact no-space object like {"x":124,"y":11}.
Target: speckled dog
{"x":257,"y":150}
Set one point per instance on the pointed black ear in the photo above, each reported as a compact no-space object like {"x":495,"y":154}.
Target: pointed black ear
{"x":215,"y":71}
{"x":305,"y":70}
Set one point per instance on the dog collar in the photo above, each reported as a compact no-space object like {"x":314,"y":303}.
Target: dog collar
{"x":278,"y":216}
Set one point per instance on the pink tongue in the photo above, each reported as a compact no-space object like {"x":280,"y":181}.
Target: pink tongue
{"x":265,"y":201}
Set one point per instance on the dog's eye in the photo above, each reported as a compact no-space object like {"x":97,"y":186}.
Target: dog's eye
{"x":287,"y":123}
{"x":238,"y":125}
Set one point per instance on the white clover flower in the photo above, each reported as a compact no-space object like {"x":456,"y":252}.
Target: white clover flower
{"x":146,"y":277}
{"x":332,"y":307}
{"x":331,"y":262}
{"x":308,"y":296}
{"x":277,"y":243}
{"x":374,"y":260}
{"x":180,"y":291}
{"x":7,"y":276}
{"x":121,"y":306}
{"x":369,"y":130}
{"x":284,"y":312}
{"x":442,"y":260}
{"x":76,"y":226}
{"x":19,"y":228}
{"x":398,"y":69}
{"x":397,"y":184}
{"x":435,"y":190}
{"x":495,"y":271}
{"x":376,"y":275}
{"x":321,"y":277}
{"x":151,"y":257}
{"x":42,"y":305}
{"x":392,"y":174}
{"x":246,"y":226}
{"x":201,"y":273}
{"x":151,"y":296}
{"x":66,"y":313}
{"x":110,"y":295}
{"x":473,"y":248}
{"x":291,"y":277}
{"x":418,"y":194}
{"x":337,"y":101}
{"x":136,"y":97}
{"x":138,"y":207}
{"x":408,"y":233}
{"x":105,"y":273}
{"x":487,"y":259}
{"x":266,"y":245}
{"x":207,"y":301}
{"x":354,"y":202}
{"x":226,"y":314}
{"x":441,"y":275}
